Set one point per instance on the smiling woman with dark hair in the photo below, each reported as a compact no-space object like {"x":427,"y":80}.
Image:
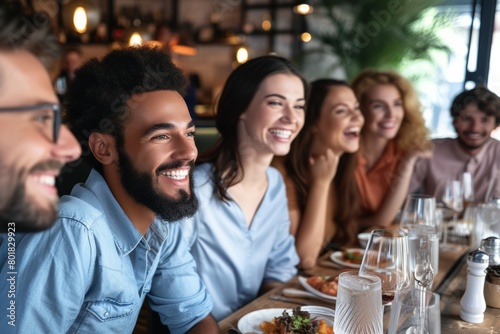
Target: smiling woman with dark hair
{"x":321,"y":199}
{"x":241,"y":234}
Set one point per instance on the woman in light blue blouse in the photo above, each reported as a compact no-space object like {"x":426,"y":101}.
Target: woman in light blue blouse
{"x":240,"y":236}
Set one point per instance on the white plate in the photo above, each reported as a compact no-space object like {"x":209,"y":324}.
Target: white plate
{"x":338,"y":258}
{"x":308,"y":287}
{"x":251,"y":321}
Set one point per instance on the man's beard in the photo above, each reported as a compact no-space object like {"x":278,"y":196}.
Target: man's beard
{"x":17,"y":208}
{"x":471,"y":147}
{"x":140,"y":186}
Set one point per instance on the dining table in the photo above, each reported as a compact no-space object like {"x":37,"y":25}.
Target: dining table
{"x":449,"y":282}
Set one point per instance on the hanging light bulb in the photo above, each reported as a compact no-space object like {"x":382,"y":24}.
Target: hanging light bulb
{"x":81,"y":15}
{"x":303,"y":9}
{"x":242,"y":55}
{"x":80,"y":20}
{"x":266,"y":22}
{"x":135,"y":39}
{"x":305,"y":37}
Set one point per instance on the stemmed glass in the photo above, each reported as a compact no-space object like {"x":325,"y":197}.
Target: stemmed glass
{"x":386,"y":256}
{"x":453,"y":198}
{"x":419,"y":221}
{"x":493,"y":190}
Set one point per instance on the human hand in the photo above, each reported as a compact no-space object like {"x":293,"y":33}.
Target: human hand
{"x":324,"y":167}
{"x":412,"y":157}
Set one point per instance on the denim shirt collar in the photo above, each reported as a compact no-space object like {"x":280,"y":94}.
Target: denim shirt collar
{"x":96,"y":192}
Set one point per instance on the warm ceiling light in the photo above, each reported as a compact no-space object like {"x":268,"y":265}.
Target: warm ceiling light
{"x":305,"y":37}
{"x":80,"y":20}
{"x":81,"y":15}
{"x":303,"y":9}
{"x":135,"y":39}
{"x":242,"y":55}
{"x":266,"y":25}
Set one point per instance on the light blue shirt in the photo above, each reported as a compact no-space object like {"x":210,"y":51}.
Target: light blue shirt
{"x":233,"y":259}
{"x":91,"y":271}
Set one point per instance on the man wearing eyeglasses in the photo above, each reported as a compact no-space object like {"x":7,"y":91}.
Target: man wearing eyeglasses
{"x":117,"y":239}
{"x":33,"y":144}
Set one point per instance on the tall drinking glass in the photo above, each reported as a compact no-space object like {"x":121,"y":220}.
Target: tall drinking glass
{"x":493,"y":190}
{"x":406,"y":316}
{"x":358,"y":307}
{"x":386,"y":256}
{"x":420,"y":222}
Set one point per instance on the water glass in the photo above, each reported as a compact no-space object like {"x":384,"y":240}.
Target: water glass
{"x":415,"y":311}
{"x":359,"y":308}
{"x":386,"y":256}
{"x":419,"y":209}
{"x":486,"y":223}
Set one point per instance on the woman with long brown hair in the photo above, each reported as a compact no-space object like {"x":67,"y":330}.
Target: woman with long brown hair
{"x":318,"y":171}
{"x":240,"y":236}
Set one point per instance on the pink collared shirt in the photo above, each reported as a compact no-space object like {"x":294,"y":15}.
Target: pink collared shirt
{"x":449,"y":159}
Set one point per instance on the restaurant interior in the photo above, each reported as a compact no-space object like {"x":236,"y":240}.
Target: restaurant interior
{"x":455,"y":42}
{"x":443,"y":46}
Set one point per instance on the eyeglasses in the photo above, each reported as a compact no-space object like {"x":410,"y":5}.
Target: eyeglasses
{"x":56,"y":108}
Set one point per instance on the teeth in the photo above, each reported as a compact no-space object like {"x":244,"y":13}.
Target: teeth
{"x":281,"y":133}
{"x":46,"y":180}
{"x":388,"y":124}
{"x":176,"y":174}
{"x":354,"y":130}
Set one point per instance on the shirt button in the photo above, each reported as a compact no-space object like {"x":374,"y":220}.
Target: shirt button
{"x":106,"y":314}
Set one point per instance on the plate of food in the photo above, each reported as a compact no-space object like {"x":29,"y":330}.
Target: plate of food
{"x":269,"y":321}
{"x":351,"y":257}
{"x":321,"y":286}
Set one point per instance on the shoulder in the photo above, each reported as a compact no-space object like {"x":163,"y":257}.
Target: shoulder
{"x":274,"y":176}
{"x":495,"y":143}
{"x":276,"y":186}
{"x":79,"y":211}
{"x":443,"y":142}
{"x":203,"y":172}
{"x":203,"y":179}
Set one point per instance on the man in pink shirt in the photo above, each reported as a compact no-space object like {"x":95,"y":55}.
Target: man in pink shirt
{"x":475,"y":113}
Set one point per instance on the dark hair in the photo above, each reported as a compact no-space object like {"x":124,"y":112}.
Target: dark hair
{"x":238,"y":92}
{"x":21,"y":29}
{"x":97,"y":99}
{"x":487,"y":101}
{"x":297,"y":163}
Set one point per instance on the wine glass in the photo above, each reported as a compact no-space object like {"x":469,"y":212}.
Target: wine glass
{"x":493,"y":190}
{"x":453,"y":198}
{"x":386,"y":256}
{"x":419,"y":210}
{"x":420,"y":222}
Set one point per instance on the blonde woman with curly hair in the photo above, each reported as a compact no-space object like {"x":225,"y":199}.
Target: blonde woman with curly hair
{"x":393,"y":137}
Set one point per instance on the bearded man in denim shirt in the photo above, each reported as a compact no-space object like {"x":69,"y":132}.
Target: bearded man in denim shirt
{"x":115,"y":241}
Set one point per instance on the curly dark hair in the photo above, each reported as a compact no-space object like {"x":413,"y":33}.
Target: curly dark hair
{"x":238,"y":92}
{"x":101,"y":90}
{"x":486,"y":101}
{"x":22,"y":29}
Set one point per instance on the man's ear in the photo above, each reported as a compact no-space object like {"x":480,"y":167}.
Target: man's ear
{"x":103,"y":147}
